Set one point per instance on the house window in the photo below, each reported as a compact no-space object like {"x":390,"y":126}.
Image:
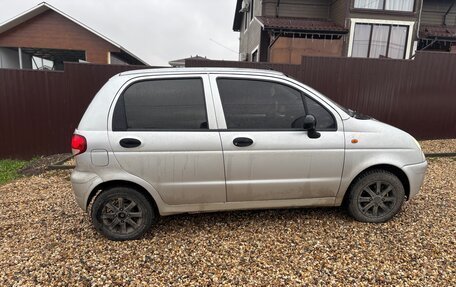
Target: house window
{"x":251,"y":9}
{"x":379,"y":40}
{"x":246,"y":20}
{"x":248,"y":15}
{"x":255,"y":56}
{"x":389,"y":5}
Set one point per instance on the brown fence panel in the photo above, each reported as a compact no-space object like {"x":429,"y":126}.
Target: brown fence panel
{"x":39,"y":110}
{"x":417,"y":96}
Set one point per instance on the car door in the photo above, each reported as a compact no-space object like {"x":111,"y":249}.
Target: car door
{"x":268,"y":155}
{"x":163,"y":130}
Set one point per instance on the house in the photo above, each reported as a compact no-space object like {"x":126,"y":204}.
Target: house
{"x":181,"y":62}
{"x":282,"y":31}
{"x":45,"y":36}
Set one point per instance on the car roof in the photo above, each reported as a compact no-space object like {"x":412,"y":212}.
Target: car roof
{"x":200,"y":70}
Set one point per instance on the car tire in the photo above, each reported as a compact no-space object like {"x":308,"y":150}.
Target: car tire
{"x":122,"y":213}
{"x":376,"y":196}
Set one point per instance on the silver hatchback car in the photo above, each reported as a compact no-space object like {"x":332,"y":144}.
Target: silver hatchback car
{"x":167,"y":141}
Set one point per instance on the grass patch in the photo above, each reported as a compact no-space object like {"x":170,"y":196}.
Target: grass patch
{"x":9,"y":169}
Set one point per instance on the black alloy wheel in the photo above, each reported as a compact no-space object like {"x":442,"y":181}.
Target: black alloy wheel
{"x":122,"y":213}
{"x":376,"y":196}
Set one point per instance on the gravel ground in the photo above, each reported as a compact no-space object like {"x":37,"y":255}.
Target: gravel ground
{"x":438,"y":146}
{"x":46,"y":240}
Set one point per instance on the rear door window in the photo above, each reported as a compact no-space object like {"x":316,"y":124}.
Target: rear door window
{"x":168,"y":104}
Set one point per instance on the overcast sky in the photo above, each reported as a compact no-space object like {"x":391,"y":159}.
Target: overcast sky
{"x":155,"y":30}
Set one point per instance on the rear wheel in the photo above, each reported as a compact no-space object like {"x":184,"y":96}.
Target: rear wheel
{"x":122,"y":213}
{"x":376,"y":196}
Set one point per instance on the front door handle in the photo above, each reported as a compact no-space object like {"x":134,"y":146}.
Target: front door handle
{"x":129,"y":142}
{"x":241,"y":142}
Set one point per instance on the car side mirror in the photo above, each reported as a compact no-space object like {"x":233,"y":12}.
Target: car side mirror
{"x":310,"y":125}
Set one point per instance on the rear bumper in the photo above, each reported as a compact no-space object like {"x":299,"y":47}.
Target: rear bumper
{"x":83,"y":183}
{"x":415,"y":174}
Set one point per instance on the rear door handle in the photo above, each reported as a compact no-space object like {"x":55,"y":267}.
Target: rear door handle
{"x":242,"y":142}
{"x":129,"y":142}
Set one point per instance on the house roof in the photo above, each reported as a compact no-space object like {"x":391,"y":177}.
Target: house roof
{"x":438,"y":31}
{"x":43,"y":7}
{"x":300,"y":24}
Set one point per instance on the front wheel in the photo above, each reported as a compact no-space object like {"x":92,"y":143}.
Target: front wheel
{"x":376,"y":196}
{"x":122,"y":213}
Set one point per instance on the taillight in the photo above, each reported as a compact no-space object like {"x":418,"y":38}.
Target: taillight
{"x":78,"y":144}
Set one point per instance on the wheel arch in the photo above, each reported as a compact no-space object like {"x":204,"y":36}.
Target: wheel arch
{"x":120,"y":183}
{"x":387,"y":167}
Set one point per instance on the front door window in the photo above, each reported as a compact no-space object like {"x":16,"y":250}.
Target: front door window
{"x":263,"y":105}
